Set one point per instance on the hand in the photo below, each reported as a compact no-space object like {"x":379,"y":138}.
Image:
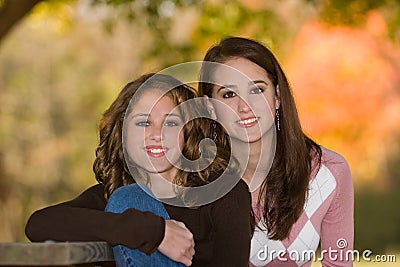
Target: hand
{"x":178,"y":242}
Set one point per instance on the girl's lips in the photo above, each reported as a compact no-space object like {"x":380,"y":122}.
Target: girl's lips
{"x":248,"y":122}
{"x":155,"y":151}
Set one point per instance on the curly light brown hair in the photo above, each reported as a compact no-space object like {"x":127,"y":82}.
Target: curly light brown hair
{"x":110,"y":165}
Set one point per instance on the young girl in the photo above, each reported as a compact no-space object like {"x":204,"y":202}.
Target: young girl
{"x":306,"y":195}
{"x":135,"y":221}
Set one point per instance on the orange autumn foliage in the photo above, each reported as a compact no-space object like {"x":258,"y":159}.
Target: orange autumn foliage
{"x":347,"y":86}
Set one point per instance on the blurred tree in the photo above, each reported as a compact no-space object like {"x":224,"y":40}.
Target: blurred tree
{"x":12,"y":11}
{"x":63,"y":66}
{"x":3,"y":180}
{"x":156,"y":11}
{"x":346,"y":82}
{"x":352,"y":13}
{"x":377,"y":213}
{"x":161,"y":15}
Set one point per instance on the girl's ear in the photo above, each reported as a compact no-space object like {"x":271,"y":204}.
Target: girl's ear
{"x":210,"y":108}
{"x":277,"y":97}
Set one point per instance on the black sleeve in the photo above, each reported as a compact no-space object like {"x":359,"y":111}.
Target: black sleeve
{"x":233,"y":223}
{"x":84,"y":219}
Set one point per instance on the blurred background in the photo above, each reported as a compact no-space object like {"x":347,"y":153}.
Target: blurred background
{"x":63,"y":62}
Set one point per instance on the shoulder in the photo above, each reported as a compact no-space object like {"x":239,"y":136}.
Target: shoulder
{"x":335,"y":162}
{"x":93,"y":195}
{"x":330,"y":157}
{"x":241,"y":187}
{"x":239,"y":193}
{"x":94,"y":190}
{"x":337,"y":167}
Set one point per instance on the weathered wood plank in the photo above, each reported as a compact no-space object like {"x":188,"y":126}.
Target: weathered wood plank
{"x":54,"y":253}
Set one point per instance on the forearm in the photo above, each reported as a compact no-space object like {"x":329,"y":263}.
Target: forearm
{"x":84,"y":219}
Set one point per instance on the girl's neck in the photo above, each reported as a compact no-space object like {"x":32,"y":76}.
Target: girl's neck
{"x":255,"y":159}
{"x":161,"y":187}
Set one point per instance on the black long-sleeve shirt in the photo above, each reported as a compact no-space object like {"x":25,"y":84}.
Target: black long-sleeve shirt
{"x":222,"y":230}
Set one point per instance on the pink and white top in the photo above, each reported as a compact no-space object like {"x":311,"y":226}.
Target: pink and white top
{"x":327,"y":219}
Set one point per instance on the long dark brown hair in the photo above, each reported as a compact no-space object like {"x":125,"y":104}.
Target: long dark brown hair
{"x":110,"y":166}
{"x":283,"y":192}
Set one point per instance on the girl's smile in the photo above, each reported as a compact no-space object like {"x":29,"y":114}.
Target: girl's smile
{"x":248,"y":122}
{"x":156,"y":151}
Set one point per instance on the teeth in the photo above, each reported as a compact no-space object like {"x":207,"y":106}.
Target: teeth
{"x":247,"y":121}
{"x":156,"y":150}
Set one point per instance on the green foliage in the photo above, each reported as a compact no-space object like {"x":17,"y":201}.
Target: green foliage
{"x":377,"y":218}
{"x":377,"y":213}
{"x":349,"y":12}
{"x":353,"y":13}
{"x":234,"y":18}
{"x":154,"y":13}
{"x":215,"y":19}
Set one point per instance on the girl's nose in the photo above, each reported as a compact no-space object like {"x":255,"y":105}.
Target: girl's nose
{"x":243,"y":107}
{"x":155,"y":132}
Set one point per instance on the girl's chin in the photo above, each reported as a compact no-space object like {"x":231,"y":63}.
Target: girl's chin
{"x":248,"y":139}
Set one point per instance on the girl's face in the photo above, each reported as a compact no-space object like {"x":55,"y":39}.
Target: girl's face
{"x":252,"y":99}
{"x":154,"y":137}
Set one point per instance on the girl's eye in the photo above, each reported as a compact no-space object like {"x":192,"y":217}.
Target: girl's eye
{"x":171,"y":123}
{"x":143,"y":123}
{"x":256,"y":91}
{"x":229,"y":94}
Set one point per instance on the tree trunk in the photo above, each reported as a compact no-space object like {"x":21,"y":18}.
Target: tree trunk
{"x":11,"y":12}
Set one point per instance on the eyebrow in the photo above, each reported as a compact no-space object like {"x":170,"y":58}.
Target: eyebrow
{"x":148,"y":115}
{"x":235,"y":86}
{"x":140,"y":115}
{"x":226,"y":86}
{"x":258,"y":81}
{"x":173,"y":115}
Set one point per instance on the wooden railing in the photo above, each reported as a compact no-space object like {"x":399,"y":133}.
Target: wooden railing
{"x":56,"y":254}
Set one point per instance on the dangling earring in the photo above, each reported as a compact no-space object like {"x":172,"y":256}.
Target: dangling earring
{"x":214,"y":132}
{"x":278,"y":126}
